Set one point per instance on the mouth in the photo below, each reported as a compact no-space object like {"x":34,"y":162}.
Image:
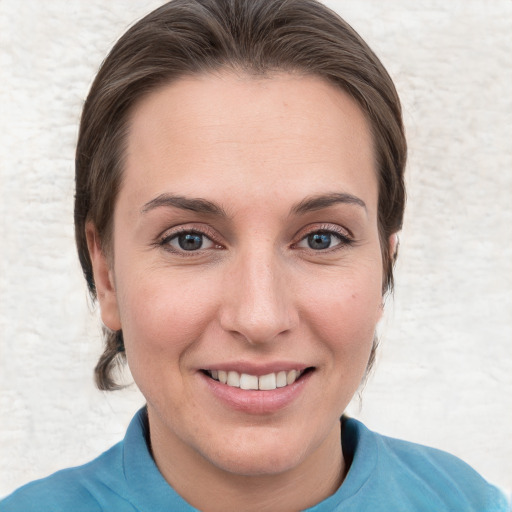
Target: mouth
{"x":246,"y":381}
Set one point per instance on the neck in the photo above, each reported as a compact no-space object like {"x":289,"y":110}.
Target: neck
{"x":312,"y":481}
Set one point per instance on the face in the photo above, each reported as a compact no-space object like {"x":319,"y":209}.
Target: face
{"x":245,"y":255}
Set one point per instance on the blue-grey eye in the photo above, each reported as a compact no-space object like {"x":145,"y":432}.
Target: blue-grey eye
{"x":190,"y":241}
{"x":320,"y":240}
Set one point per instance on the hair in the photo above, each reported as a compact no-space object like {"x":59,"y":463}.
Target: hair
{"x":258,"y":37}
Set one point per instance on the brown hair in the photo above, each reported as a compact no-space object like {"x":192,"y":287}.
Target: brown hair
{"x":185,"y":37}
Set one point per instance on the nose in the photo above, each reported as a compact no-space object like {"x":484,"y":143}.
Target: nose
{"x":258,"y":300}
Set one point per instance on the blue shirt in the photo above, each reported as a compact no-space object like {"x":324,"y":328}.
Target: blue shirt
{"x":385,"y":475}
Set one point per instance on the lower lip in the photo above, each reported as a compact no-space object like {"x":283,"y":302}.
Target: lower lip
{"x":254,"y":401}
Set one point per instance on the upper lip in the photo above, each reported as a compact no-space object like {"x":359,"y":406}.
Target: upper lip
{"x":257,"y":369}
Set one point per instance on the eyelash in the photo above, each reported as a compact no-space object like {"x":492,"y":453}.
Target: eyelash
{"x":165,"y":240}
{"x":344,"y":240}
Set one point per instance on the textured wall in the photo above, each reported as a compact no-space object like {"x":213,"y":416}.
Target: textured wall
{"x":444,"y":373}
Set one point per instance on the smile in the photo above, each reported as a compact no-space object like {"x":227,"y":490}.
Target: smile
{"x":247,"y":381}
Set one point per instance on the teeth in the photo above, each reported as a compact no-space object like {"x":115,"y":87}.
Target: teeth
{"x":233,"y":379}
{"x":265,"y":382}
{"x":248,"y":381}
{"x":281,"y":379}
{"x":291,"y":377}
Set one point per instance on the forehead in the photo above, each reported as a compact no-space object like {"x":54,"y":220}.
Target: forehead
{"x":208,"y":133}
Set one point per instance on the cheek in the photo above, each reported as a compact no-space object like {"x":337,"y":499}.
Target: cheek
{"x":162,"y":316}
{"x":345,"y":311}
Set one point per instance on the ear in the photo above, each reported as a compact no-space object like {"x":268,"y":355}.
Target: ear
{"x":103,"y":279}
{"x":393,"y":244}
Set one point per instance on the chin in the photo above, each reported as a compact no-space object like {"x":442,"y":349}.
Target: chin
{"x":257,"y":464}
{"x":259,"y":454}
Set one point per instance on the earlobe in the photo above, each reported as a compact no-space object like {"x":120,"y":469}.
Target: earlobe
{"x":103,"y":279}
{"x":393,"y":244}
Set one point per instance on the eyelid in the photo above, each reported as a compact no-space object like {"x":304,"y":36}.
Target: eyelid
{"x":345,"y":236}
{"x":204,"y":230}
{"x":330,"y":228}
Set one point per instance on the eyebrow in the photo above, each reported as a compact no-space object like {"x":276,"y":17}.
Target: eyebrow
{"x":197,"y":205}
{"x":325,"y":200}
{"x":204,"y":206}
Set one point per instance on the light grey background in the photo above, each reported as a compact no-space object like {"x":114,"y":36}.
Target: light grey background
{"x":444,"y":372}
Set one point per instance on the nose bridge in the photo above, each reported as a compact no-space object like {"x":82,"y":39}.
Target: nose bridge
{"x":258,"y":303}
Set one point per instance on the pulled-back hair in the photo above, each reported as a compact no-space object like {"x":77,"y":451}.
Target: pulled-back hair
{"x":259,"y":37}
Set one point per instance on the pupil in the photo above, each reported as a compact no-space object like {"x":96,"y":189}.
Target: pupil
{"x":319,"y":240}
{"x":190,"y":241}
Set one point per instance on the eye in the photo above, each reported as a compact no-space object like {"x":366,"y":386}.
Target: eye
{"x":322,"y":240}
{"x":188,"y":241}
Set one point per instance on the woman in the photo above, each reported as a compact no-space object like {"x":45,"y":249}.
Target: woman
{"x":239,"y":188}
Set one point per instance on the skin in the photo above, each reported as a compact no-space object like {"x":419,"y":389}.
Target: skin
{"x":256,"y":292}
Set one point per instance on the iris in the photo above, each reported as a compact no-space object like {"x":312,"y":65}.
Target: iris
{"x":319,"y":240}
{"x":190,"y":241}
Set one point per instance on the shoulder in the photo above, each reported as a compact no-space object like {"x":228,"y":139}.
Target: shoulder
{"x":91,"y":488}
{"x":123,"y":479}
{"x":424,"y":478}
